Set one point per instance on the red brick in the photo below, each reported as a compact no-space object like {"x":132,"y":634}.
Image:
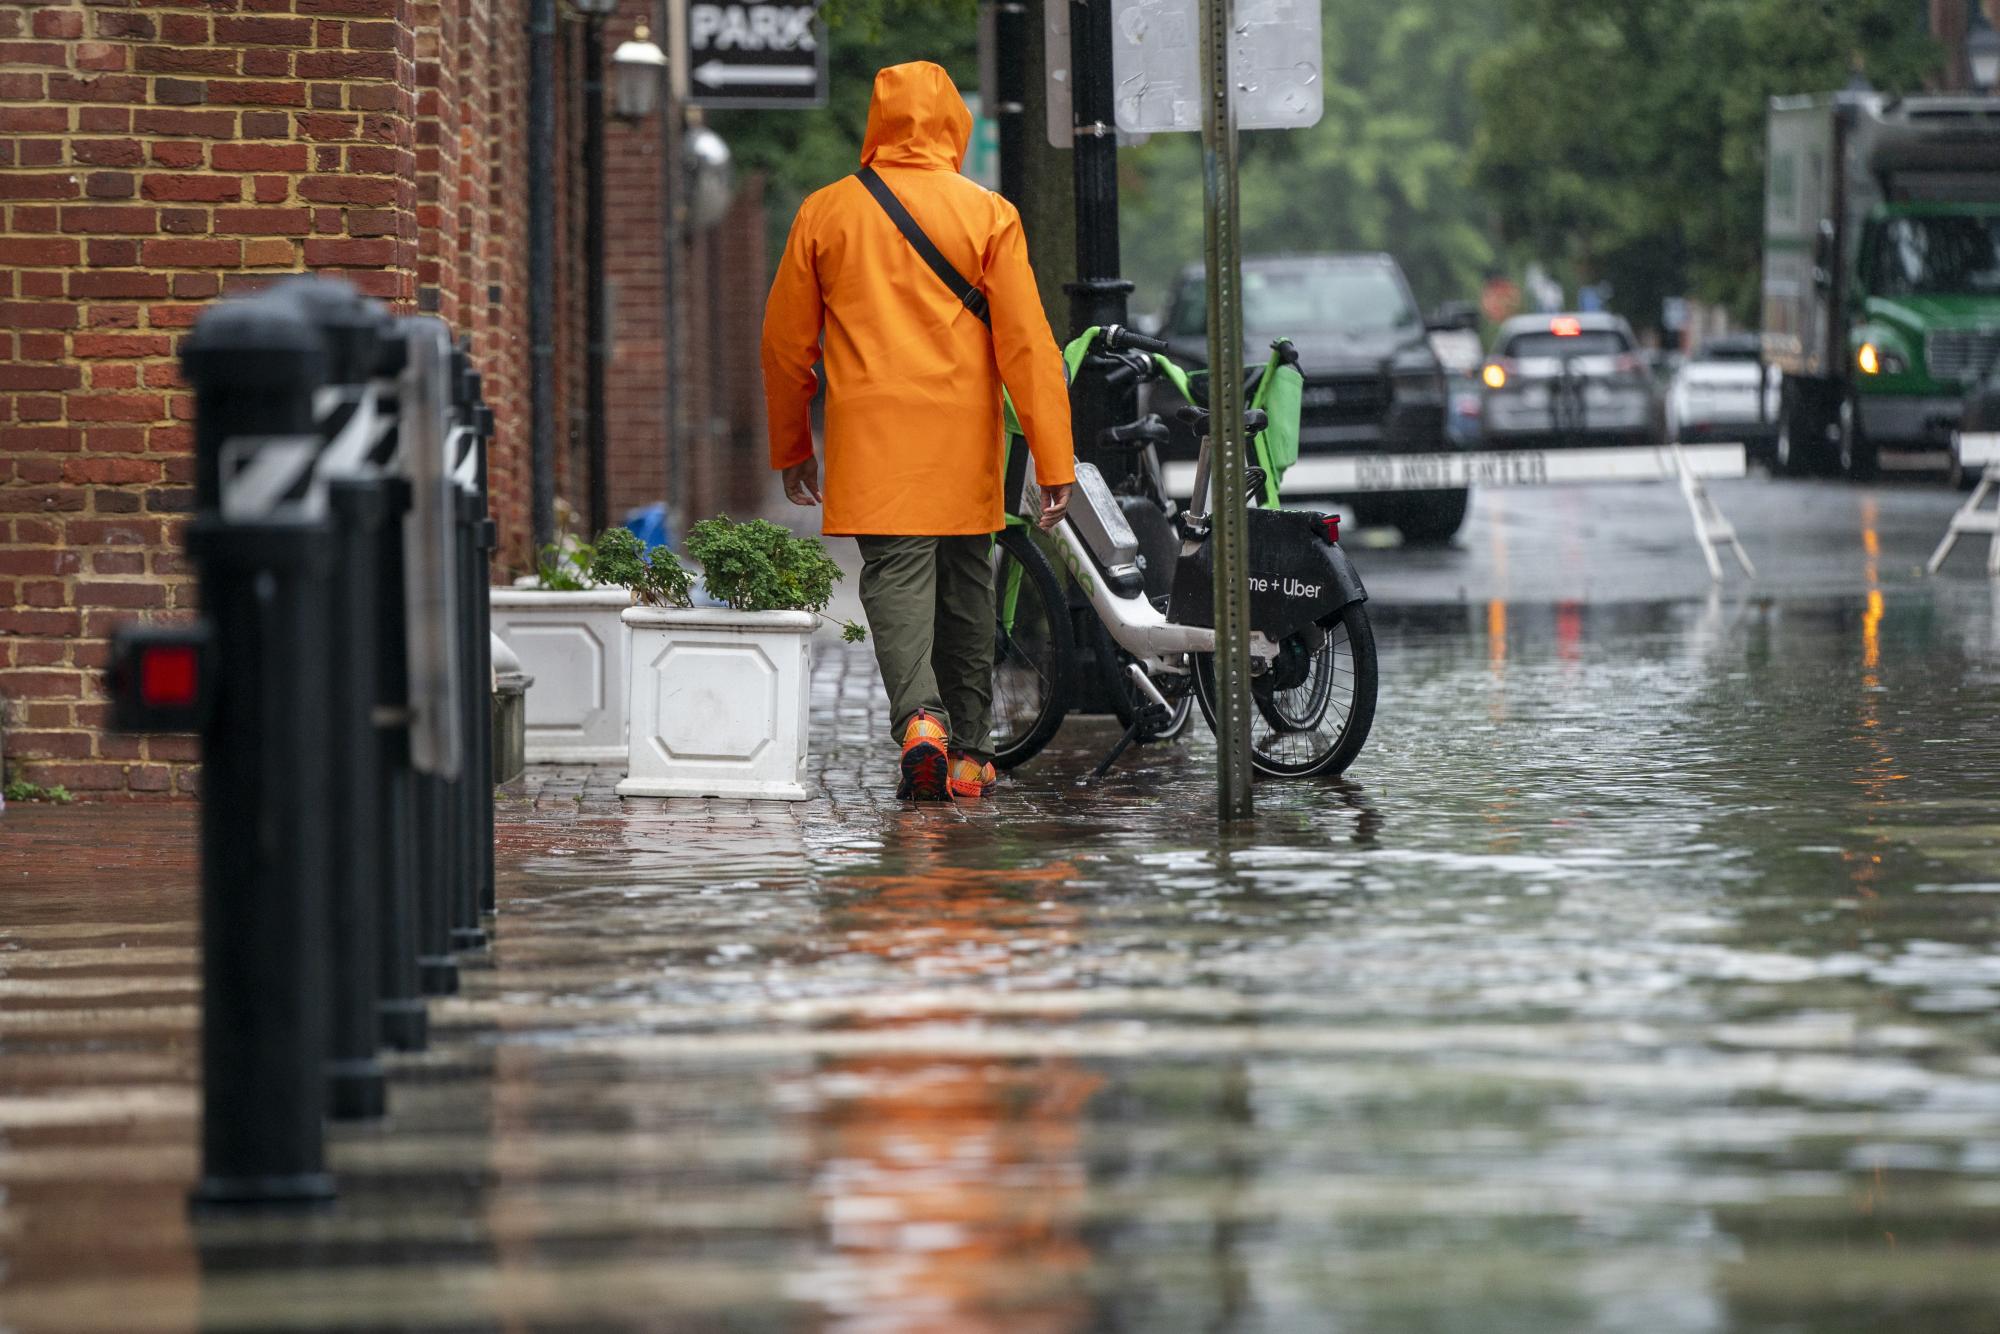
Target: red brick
{"x":117,"y":283}
{"x":166,"y":746}
{"x":318,"y":126}
{"x":267,"y":125}
{"x":106,"y":593}
{"x":96,"y":88}
{"x":104,"y":120}
{"x":77,"y":777}
{"x":107,"y":152}
{"x":265,"y":254}
{"x":242,"y":92}
{"x":88,"y":346}
{"x":17,"y":684}
{"x":264,"y":31}
{"x":372,"y":36}
{"x":33,"y":120}
{"x":61,"y":24}
{"x":259,"y":157}
{"x":21,"y":621}
{"x":35,"y":152}
{"x":38,"y":560}
{"x":103,"y":439}
{"x":206,"y":253}
{"x":184,"y":29}
{"x":262,"y":221}
{"x":346,"y":65}
{"x":169,"y":153}
{"x":25,"y":375}
{"x":113,"y":532}
{"x":193,"y":124}
{"x":23,"y":251}
{"x":367,"y":254}
{"x":114,"y":375}
{"x":117,"y":408}
{"x":112,"y":23}
{"x":38,"y":185}
{"x":348,"y":190}
{"x":106,"y":218}
{"x":100,"y":55}
{"x":52,"y":54}
{"x":207,"y":189}
{"x":179,"y":92}
{"x":21,"y":86}
{"x":267,"y":64}
{"x":109,"y":184}
{"x":37,"y":315}
{"x":102,"y":253}
{"x":367,"y":9}
{"x":49,"y":745}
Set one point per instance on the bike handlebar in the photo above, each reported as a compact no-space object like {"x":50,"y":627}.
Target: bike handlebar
{"x":1148,"y":430}
{"x":1119,"y":338}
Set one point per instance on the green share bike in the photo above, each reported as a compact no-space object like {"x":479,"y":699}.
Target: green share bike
{"x":1129,"y":574}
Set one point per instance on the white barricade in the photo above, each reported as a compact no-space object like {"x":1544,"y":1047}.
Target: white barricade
{"x":1976,"y":449}
{"x":1689,"y":465}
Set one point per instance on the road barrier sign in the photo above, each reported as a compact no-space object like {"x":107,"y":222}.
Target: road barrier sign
{"x":1976,"y":449}
{"x":1689,"y":465}
{"x":755,"y":55}
{"x":1274,"y":65}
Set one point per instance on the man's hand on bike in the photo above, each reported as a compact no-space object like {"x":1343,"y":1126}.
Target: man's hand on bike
{"x":1055,"y":504}
{"x":802,"y":483}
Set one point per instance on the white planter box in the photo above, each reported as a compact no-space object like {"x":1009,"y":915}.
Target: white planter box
{"x":575,"y":648}
{"x":719,"y":703}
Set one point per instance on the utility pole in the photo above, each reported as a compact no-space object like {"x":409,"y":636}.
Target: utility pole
{"x":1099,"y":295}
{"x":1225,"y":424}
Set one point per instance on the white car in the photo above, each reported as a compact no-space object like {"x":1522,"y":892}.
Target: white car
{"x":1714,"y":396}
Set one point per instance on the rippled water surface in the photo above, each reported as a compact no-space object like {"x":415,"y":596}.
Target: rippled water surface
{"x":1641,"y":978}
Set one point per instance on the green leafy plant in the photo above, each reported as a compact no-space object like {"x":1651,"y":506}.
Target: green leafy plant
{"x":758,"y":566}
{"x":22,"y":790}
{"x":654,"y":577}
{"x":564,"y":566}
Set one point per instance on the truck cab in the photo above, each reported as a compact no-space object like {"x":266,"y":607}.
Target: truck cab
{"x":1881,"y":274}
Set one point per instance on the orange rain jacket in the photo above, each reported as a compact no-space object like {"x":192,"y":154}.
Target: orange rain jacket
{"x":913,"y":427}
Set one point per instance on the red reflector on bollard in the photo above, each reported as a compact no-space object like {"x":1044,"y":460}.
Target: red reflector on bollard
{"x":1329,"y":527}
{"x":169,"y":676}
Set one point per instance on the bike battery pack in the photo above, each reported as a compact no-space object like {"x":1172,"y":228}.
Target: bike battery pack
{"x":1095,"y":512}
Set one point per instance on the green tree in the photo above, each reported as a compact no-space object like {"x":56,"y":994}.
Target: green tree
{"x":1386,"y":168}
{"x":1623,"y":140}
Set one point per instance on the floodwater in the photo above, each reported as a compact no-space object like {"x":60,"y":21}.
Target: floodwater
{"x":1642,"y":977}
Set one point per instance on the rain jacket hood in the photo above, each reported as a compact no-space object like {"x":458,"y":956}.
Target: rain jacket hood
{"x":916,"y":119}
{"x":913,"y":438}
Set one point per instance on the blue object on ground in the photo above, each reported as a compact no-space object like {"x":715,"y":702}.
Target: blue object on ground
{"x":649,"y":524}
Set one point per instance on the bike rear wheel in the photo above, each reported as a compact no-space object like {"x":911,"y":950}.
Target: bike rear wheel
{"x":1033,"y":649}
{"x":1316,"y":702}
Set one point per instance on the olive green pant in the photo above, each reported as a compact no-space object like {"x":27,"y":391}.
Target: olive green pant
{"x":930,"y":612}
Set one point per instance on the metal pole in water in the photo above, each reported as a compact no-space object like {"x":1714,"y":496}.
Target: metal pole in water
{"x":1225,"y":401}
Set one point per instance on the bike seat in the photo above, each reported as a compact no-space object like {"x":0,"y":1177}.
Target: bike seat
{"x":1134,"y":436}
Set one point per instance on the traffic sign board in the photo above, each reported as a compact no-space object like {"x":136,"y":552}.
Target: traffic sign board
{"x":755,"y":55}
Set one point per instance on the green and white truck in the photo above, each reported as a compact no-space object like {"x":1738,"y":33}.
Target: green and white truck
{"x":1881,"y":274}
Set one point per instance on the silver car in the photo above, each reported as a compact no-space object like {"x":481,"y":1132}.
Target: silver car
{"x":1567,"y":380}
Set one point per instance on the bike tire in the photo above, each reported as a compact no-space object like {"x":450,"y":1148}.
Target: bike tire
{"x":1032,"y":657}
{"x":1349,"y":625}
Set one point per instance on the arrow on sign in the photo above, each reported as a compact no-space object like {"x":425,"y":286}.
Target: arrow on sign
{"x":715,"y":74}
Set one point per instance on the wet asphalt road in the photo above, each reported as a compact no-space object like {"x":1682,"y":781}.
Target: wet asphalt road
{"x":1640,"y":977}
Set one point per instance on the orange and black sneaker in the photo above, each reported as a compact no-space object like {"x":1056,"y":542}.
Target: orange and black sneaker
{"x":924,"y":760}
{"x":971,"y":777}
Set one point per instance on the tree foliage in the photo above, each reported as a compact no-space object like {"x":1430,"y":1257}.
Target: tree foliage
{"x":1386,"y":168}
{"x":1623,"y":140}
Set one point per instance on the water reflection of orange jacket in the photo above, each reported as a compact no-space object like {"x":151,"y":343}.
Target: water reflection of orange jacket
{"x":912,"y":377}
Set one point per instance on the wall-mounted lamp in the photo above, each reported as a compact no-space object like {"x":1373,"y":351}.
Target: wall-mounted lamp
{"x":638,"y":63}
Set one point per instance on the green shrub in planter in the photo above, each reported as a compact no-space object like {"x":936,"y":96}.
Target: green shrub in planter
{"x":654,"y":577}
{"x":758,"y":566}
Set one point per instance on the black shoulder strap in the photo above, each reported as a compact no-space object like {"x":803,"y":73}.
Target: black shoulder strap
{"x":973,"y":299}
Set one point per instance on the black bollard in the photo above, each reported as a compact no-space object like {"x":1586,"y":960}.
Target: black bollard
{"x":262,"y":550}
{"x":468,"y":931}
{"x":405,"y":1022}
{"x":351,"y":327}
{"x":483,"y":638}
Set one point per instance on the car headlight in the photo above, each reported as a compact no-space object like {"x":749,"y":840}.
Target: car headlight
{"x":1876,"y":360}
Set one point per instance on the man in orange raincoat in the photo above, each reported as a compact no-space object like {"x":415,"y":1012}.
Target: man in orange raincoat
{"x":913,"y":416}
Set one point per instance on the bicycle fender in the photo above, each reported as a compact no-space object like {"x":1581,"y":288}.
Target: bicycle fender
{"x":1297,"y":577}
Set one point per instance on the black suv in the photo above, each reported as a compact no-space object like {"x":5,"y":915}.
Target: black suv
{"x":1373,"y":383}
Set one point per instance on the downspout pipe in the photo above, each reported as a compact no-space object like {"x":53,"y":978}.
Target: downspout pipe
{"x":542,"y":270}
{"x":595,"y":312}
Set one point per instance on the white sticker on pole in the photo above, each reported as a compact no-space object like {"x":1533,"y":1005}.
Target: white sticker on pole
{"x":1274,"y":60}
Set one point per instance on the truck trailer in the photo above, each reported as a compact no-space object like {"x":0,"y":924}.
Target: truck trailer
{"x":1881,"y":274}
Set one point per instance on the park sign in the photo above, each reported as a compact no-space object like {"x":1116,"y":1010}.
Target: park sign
{"x":755,"y":55}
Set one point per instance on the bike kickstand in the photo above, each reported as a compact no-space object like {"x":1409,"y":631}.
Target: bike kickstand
{"x":1150,"y":713}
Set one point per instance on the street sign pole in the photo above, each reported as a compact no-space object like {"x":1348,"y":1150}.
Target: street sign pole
{"x":1098,"y":296}
{"x":1225,"y":400}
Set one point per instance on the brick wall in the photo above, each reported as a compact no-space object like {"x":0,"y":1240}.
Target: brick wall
{"x":153,"y":156}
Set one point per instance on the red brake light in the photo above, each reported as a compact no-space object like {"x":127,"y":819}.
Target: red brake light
{"x":1566,"y":326}
{"x":169,"y":676}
